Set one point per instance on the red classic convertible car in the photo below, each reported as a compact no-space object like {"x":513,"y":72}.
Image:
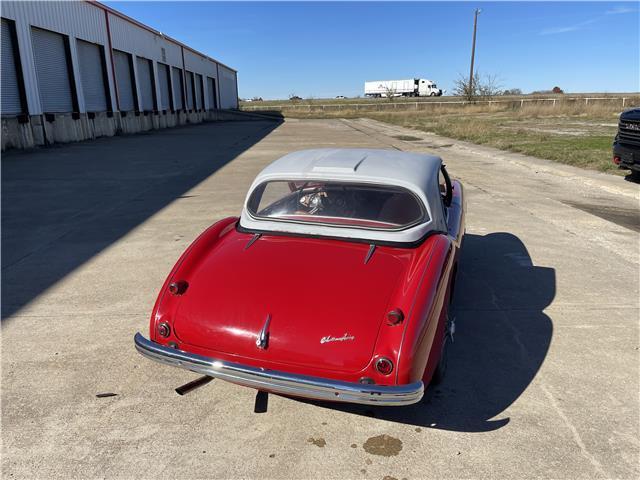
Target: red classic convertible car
{"x":334,"y":283}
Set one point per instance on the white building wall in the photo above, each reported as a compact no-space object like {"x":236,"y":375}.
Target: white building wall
{"x":199,"y":64}
{"x":202,"y":65}
{"x":85,"y":21}
{"x":74,"y":19}
{"x":131,"y":38}
{"x":228,"y":88}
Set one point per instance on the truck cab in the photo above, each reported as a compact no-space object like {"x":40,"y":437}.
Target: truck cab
{"x":426,"y":88}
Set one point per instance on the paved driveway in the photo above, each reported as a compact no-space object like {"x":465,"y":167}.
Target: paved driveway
{"x":543,"y":381}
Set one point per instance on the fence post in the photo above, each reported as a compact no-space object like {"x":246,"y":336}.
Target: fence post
{"x":554,"y":102}
{"x":623,"y":101}
{"x":521,"y":103}
{"x":586,"y":101}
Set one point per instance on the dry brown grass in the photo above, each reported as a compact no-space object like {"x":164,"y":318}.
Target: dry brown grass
{"x":575,"y":132}
{"x":594,"y":109}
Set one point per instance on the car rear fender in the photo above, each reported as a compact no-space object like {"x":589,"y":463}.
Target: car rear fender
{"x":389,"y":337}
{"x":163,"y":308}
{"x":425,"y":313}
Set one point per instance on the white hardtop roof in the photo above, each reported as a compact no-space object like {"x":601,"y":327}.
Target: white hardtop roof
{"x":389,"y":166}
{"x":414,"y":171}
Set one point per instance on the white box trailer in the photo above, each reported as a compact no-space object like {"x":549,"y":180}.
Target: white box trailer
{"x":412,"y":87}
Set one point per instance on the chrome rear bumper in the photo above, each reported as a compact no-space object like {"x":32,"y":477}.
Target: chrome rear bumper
{"x":281,"y":382}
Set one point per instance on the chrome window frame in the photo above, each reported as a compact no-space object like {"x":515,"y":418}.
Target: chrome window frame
{"x":424,"y":217}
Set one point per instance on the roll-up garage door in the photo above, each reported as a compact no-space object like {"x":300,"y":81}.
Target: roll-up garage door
{"x":124,"y":81}
{"x":145,"y":82}
{"x":163,"y":81}
{"x":50,"y":56}
{"x":9,"y":82}
{"x":189,"y":90}
{"x":211,"y":92}
{"x":92,"y":75}
{"x":177,"y":87}
{"x":199,"y":99}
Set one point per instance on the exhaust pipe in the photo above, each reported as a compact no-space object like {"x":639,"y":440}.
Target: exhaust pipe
{"x":199,"y":382}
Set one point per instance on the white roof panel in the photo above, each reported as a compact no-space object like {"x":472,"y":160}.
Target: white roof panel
{"x":414,"y":171}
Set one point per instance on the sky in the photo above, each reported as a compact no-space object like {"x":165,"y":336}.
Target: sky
{"x":324,"y":49}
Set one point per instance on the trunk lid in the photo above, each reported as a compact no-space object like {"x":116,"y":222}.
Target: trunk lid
{"x":325,"y":304}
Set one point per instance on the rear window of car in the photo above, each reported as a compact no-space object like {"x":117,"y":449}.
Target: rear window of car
{"x":337,"y":204}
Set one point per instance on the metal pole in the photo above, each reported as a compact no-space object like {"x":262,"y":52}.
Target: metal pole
{"x":473,"y":50}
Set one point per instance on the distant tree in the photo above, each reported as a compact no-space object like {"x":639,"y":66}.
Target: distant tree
{"x":512,"y":91}
{"x":294,"y":98}
{"x":390,"y":93}
{"x":462,"y":87}
{"x":256,"y":99}
{"x":489,"y":86}
{"x":557,"y":90}
{"x":485,"y":87}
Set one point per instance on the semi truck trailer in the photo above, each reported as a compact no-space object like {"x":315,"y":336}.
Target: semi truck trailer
{"x":412,"y":87}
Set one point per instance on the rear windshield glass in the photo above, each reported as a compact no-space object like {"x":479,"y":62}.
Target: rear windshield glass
{"x":337,"y":204}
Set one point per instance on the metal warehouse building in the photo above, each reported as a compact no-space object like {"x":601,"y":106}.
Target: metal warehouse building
{"x":77,"y":70}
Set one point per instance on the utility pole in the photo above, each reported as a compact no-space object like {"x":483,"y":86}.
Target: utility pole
{"x":473,"y":51}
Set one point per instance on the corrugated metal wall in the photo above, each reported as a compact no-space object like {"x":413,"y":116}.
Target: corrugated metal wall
{"x":128,"y":37}
{"x":74,"y":19}
{"x":83,"y":21}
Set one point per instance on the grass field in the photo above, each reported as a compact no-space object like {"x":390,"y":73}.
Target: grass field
{"x":310,"y":101}
{"x":575,"y":134}
{"x":577,"y":138}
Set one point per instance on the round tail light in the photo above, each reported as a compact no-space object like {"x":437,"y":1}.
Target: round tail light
{"x":384,"y":366}
{"x":164,"y":330}
{"x":178,"y":288}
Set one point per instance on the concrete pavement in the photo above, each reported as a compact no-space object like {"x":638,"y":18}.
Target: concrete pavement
{"x":543,"y":377}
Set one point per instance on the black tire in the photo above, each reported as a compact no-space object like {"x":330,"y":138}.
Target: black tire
{"x":441,"y":368}
{"x":634,"y":176}
{"x":432,"y":94}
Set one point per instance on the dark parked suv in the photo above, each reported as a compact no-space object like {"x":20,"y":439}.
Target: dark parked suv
{"x":626,"y":146}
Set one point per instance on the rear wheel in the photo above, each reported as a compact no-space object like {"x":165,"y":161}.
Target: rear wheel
{"x":441,"y":368}
{"x":634,"y":176}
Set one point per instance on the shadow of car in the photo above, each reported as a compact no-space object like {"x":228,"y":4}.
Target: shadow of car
{"x":501,"y":340}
